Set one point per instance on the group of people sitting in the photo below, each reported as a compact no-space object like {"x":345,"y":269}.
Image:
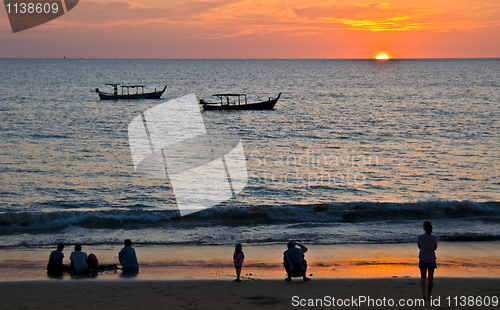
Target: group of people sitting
{"x":83,"y":264}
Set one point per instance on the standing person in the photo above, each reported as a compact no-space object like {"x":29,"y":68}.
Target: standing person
{"x":238,"y":258}
{"x":127,"y":257}
{"x":79,"y":260}
{"x":55,"y":265}
{"x":294,"y":262}
{"x":427,"y":243}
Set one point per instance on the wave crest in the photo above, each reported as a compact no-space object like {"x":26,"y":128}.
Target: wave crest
{"x":231,"y":215}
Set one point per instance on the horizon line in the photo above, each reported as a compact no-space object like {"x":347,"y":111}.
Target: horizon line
{"x":91,"y":58}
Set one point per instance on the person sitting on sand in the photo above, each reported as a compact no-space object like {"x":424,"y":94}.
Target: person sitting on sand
{"x":127,"y":257}
{"x":294,"y":262}
{"x":55,"y":265}
{"x":93,"y":263}
{"x":427,"y":243}
{"x":79,"y":260}
{"x":238,"y":258}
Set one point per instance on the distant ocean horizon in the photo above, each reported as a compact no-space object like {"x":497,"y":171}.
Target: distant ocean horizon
{"x":258,"y":59}
{"x":355,"y":151}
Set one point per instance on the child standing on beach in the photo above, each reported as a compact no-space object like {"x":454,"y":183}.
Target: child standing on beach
{"x":238,"y":258}
{"x":427,"y":243}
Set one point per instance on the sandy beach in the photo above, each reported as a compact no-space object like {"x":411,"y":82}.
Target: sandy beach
{"x":187,"y":277}
{"x":159,"y":262}
{"x":218,"y":294}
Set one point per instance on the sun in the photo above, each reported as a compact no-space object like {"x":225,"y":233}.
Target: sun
{"x":382,"y":57}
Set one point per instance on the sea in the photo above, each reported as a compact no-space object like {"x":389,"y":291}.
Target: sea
{"x":355,"y":152}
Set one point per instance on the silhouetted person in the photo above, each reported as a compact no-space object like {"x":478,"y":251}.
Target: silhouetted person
{"x":427,"y":243}
{"x":55,"y":265}
{"x":79,"y":260}
{"x":93,"y":263}
{"x":294,"y":262}
{"x":127,"y":257}
{"x":238,"y":258}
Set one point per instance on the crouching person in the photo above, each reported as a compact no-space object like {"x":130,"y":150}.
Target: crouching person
{"x":294,"y":262}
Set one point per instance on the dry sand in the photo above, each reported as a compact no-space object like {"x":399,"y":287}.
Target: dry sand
{"x":219,"y":294}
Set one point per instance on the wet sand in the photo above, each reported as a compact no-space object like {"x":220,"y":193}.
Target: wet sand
{"x":455,"y":259}
{"x":202,"y":277}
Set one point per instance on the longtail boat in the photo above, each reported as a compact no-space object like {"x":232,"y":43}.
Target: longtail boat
{"x":238,"y":102}
{"x":127,"y":92}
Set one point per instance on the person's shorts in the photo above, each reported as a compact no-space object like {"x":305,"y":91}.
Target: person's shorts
{"x":432,"y":265}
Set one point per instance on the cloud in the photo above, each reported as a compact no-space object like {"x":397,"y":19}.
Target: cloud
{"x":385,"y":17}
{"x":371,"y":17}
{"x":97,"y":14}
{"x":198,"y":19}
{"x":339,"y":11}
{"x":221,"y":19}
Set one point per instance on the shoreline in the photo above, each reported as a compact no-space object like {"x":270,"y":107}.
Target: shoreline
{"x":347,"y":261}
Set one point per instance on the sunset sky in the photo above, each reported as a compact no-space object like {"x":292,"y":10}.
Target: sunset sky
{"x":262,"y":29}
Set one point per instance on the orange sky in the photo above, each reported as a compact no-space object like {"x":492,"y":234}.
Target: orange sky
{"x":263,"y":29}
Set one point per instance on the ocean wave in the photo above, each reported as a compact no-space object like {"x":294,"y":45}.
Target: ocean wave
{"x":470,"y":237}
{"x":229,"y":215}
{"x":61,"y":219}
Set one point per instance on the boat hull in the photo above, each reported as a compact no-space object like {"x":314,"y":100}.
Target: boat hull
{"x":105,"y":96}
{"x":264,"y":105}
{"x":152,"y":95}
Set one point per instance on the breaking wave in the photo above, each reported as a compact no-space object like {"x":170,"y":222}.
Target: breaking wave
{"x":359,"y":212}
